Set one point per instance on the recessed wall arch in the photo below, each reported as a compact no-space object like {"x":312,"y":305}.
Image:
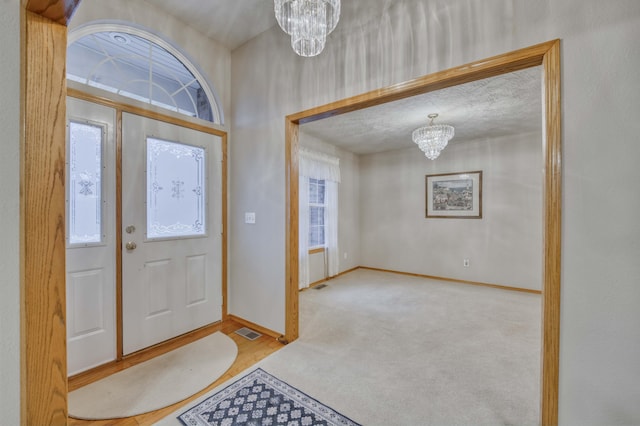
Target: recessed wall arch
{"x":178,"y":82}
{"x":548,"y":56}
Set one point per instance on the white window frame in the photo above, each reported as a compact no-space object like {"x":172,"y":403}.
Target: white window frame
{"x":323,"y":206}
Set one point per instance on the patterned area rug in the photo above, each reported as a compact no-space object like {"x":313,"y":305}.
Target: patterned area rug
{"x":261,"y":399}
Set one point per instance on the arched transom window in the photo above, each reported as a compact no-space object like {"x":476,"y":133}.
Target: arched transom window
{"x":140,"y":65}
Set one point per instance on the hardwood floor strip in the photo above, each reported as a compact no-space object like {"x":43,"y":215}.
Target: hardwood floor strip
{"x":249,"y":353}
{"x":255,"y":327}
{"x":100,"y":372}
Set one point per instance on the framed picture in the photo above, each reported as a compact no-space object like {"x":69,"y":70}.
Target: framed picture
{"x":454,"y":195}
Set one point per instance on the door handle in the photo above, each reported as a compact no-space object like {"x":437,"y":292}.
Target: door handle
{"x":131,"y":246}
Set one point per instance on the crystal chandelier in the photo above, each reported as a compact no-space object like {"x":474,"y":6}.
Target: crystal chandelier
{"x":308,"y":22}
{"x":432,"y":138}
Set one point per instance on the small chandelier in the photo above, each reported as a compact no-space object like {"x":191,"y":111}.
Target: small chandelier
{"x":432,"y":138}
{"x":308,"y":22}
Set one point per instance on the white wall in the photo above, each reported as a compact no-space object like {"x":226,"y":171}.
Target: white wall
{"x":600,"y":332}
{"x":504,"y":246}
{"x":349,"y":215}
{"x":317,"y":269}
{"x":10,"y":212}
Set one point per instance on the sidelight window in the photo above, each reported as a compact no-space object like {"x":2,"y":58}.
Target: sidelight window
{"x":84,"y":192}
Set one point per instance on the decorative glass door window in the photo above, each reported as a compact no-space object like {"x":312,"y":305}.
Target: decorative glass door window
{"x":316,"y":212}
{"x":85,"y":183}
{"x":176,"y":178}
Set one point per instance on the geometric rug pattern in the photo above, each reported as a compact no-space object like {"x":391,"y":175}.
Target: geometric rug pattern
{"x":262,"y":399}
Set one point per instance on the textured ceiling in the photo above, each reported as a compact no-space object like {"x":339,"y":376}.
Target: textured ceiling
{"x":233,"y":22}
{"x":500,"y":106}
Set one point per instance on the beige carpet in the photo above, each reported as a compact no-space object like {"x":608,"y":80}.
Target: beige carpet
{"x":386,"y":349}
{"x":157,"y":383}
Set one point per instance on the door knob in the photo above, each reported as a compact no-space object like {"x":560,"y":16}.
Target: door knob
{"x":131,"y":245}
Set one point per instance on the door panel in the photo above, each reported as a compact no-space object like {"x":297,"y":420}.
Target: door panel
{"x":172,"y":220}
{"x":90,"y":235}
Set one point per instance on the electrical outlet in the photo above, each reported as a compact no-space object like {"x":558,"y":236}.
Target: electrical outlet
{"x":465,"y":263}
{"x":345,"y":254}
{"x":249,"y":217}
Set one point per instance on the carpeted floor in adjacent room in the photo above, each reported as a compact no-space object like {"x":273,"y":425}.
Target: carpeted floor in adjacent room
{"x":388,"y":349}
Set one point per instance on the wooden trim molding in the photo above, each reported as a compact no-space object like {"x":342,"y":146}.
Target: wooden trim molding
{"x":105,"y":370}
{"x":454,"y":280}
{"x":432,"y":277}
{"x":124,"y":107}
{"x":42,"y":211}
{"x":291,"y":237}
{"x":43,"y":369}
{"x":119,"y":326}
{"x":313,"y":284}
{"x":545,"y":54}
{"x":552,"y":236}
{"x":120,"y":108}
{"x":254,"y":326}
{"x":324,"y":280}
{"x":316,"y":250}
{"x":225,"y":197}
{"x":59,"y":11}
{"x":491,"y":67}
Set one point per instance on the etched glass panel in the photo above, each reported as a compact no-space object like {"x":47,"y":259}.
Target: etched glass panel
{"x":85,"y":183}
{"x":175,"y":189}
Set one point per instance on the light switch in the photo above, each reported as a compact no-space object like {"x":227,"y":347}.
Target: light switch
{"x":249,"y":217}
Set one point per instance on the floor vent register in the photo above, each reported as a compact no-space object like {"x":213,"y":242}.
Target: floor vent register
{"x":247,"y":333}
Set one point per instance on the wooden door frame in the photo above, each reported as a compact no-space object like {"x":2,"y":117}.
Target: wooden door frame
{"x":119,"y":108}
{"x":43,"y":41}
{"x":43,"y":357}
{"x":548,"y":56}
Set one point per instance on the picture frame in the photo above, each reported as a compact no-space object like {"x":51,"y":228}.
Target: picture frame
{"x":454,"y":195}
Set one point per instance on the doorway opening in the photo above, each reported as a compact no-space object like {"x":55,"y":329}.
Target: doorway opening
{"x":161,"y":175}
{"x":548,"y":56}
{"x":152,"y":189}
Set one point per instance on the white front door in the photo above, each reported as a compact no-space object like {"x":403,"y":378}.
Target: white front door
{"x":90,"y":235}
{"x":171,"y":236}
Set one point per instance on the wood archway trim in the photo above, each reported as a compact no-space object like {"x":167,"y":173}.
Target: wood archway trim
{"x":548,"y":56}
{"x":59,"y":11}
{"x":43,"y":363}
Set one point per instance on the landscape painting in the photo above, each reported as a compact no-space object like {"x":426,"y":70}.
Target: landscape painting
{"x":454,"y":195}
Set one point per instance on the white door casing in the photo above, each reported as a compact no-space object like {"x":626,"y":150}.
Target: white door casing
{"x":172,"y":283}
{"x":90,"y":235}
